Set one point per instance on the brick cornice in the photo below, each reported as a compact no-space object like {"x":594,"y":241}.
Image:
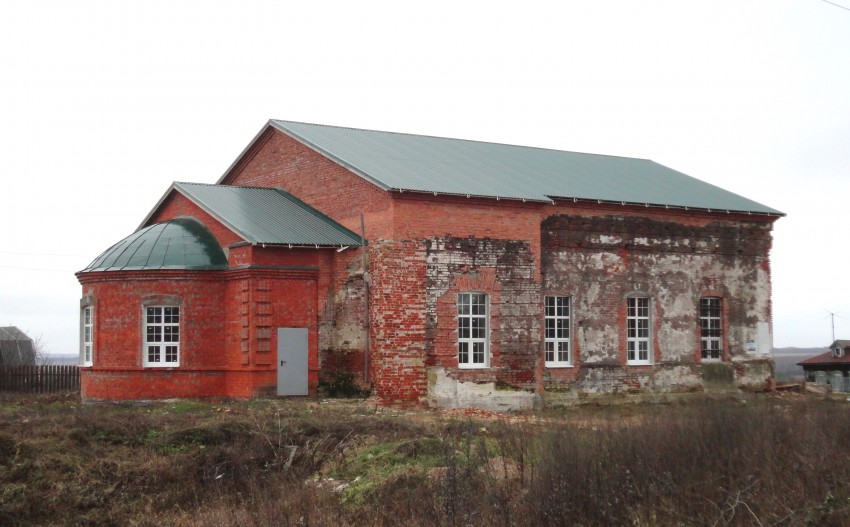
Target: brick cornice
{"x":148,"y":275}
{"x":286,"y":272}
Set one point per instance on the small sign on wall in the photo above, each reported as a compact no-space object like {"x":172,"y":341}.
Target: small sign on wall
{"x":763,"y":342}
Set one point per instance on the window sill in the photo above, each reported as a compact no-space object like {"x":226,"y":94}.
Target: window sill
{"x":556,"y":365}
{"x":473,"y":367}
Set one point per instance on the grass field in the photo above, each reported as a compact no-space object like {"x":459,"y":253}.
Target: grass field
{"x":749,"y":460}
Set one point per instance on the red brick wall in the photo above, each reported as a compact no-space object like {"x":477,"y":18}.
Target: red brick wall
{"x":123,"y":384}
{"x":398,"y":321}
{"x":279,"y":256}
{"x":260,"y":301}
{"x":505,"y":271}
{"x":177,"y":204}
{"x":423,"y":216}
{"x":228,"y":340}
{"x":118,"y":372}
{"x":475,"y":244}
{"x":277,"y":160}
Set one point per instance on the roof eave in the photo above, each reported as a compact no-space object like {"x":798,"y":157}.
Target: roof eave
{"x":137,"y":268}
{"x":470,"y":195}
{"x":348,"y":233}
{"x":775,"y":214}
{"x":337,"y":246}
{"x":554,"y":199}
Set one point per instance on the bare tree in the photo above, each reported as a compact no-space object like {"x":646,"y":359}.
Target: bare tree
{"x":41,"y":351}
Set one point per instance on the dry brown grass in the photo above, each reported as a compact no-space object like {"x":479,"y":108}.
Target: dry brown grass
{"x":765,"y":461}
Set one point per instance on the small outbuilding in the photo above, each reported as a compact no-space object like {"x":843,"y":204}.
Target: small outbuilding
{"x":16,"y":348}
{"x":831,"y":368}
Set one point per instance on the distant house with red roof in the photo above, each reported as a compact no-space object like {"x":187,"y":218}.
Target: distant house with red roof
{"x":831,"y":367}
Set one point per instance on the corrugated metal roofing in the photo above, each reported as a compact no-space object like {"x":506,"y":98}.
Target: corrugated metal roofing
{"x":829,"y":357}
{"x":12,"y":333}
{"x":180,"y":243}
{"x":268,"y":216}
{"x":406,"y":162}
{"x":826,"y":359}
{"x":16,"y":348}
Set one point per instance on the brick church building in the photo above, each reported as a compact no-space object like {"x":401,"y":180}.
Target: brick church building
{"x":431,"y":271}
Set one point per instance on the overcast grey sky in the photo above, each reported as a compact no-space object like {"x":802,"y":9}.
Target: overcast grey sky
{"x":105,"y":103}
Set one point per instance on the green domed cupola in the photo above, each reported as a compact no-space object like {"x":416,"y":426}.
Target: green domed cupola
{"x":179,"y":243}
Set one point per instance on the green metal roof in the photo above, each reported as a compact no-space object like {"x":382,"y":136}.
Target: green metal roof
{"x":405,"y":162}
{"x":180,"y":243}
{"x":268,"y":216}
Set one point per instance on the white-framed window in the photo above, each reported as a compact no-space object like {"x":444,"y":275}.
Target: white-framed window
{"x":162,"y":336}
{"x":637,"y":331}
{"x":87,"y":316}
{"x":472,"y":323}
{"x":711,"y":328}
{"x":557,"y":331}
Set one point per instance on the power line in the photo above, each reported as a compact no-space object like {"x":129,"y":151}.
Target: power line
{"x":43,"y":254}
{"x":836,"y":5}
{"x":35,"y":269}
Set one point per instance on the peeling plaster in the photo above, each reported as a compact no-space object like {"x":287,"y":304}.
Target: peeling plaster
{"x":600,"y":261}
{"x":447,"y":392}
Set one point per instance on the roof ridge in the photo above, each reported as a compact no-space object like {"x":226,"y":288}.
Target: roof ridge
{"x":222,"y":185}
{"x":446,"y":138}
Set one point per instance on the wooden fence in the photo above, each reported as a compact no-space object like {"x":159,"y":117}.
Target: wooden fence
{"x":40,"y":379}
